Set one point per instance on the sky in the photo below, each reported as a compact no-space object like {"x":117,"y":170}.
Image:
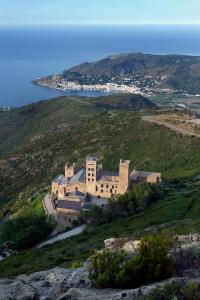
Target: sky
{"x":97,"y":12}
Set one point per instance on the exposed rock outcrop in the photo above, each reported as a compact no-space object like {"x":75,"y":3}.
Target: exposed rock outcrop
{"x":131,"y":294}
{"x":18,"y":289}
{"x":114,"y":244}
{"x":46,"y":285}
{"x":74,"y":284}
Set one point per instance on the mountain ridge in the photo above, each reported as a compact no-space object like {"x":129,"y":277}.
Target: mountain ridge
{"x":182,"y":72}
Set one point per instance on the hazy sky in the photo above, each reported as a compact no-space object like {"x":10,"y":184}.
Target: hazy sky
{"x":37,"y":12}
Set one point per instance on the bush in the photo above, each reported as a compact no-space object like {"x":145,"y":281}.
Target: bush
{"x":95,"y":216}
{"x":156,"y":264}
{"x":176,"y":291}
{"x":25,"y":232}
{"x":118,"y":270}
{"x":123,"y":206}
{"x":186,"y":258}
{"x":107,"y":267}
{"x":77,"y":264}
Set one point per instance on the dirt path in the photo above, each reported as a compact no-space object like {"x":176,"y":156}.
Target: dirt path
{"x":182,"y":131}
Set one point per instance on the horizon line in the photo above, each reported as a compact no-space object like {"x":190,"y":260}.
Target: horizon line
{"x":71,"y":24}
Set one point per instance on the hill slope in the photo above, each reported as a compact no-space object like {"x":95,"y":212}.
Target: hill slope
{"x":19,"y":126}
{"x":49,"y":133}
{"x":33,"y":163}
{"x":179,"y":72}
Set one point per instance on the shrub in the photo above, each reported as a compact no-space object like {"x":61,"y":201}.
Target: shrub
{"x":186,"y":258}
{"x":176,"y":291}
{"x":117,"y":269}
{"x":156,"y":264}
{"x":106,"y":268}
{"x":77,"y":264}
{"x":123,"y":206}
{"x":24,"y":232}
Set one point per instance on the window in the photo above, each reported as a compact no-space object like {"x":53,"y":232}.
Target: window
{"x":101,"y":191}
{"x":92,"y":175}
{"x":111,"y":191}
{"x":101,"y":185}
{"x":88,"y":169}
{"x":96,"y":188}
{"x":112,"y":186}
{"x":88,"y":179}
{"x":107,"y":186}
{"x":92,"y":179}
{"x":88,"y":174}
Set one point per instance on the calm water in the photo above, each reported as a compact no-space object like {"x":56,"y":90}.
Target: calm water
{"x":27,"y":53}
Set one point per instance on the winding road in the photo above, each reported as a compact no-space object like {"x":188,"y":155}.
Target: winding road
{"x":62,"y":236}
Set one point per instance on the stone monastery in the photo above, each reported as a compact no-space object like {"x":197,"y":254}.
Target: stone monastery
{"x":79,"y":190}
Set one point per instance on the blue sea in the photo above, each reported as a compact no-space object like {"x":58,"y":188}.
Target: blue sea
{"x":29,"y":53}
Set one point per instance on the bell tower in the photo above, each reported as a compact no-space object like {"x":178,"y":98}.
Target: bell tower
{"x":91,"y":174}
{"x":123,"y":176}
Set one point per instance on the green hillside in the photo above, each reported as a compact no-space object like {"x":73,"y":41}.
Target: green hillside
{"x":179,"y":210}
{"x":41,"y":154}
{"x":31,"y":122}
{"x":48,"y":133}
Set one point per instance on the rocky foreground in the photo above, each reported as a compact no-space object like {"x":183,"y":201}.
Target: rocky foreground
{"x":74,"y":284}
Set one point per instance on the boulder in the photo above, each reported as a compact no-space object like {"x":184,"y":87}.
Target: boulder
{"x":17,"y":290}
{"x":45,"y":285}
{"x":132,"y":247}
{"x":190,"y":238}
{"x":115,"y":243}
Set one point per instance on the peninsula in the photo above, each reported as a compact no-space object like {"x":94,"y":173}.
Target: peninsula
{"x":136,"y":73}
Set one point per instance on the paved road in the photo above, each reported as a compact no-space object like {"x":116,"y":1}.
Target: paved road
{"x":151,"y":119}
{"x":62,"y":236}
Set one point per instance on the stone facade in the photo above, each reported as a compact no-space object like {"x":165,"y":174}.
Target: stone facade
{"x":93,"y":180}
{"x":78,"y":190}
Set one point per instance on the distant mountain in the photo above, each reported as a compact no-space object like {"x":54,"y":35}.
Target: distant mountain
{"x":180,"y":72}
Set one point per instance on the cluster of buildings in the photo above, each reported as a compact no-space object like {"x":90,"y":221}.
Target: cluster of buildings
{"x":79,"y":190}
{"x":5,"y":108}
{"x":56,"y":82}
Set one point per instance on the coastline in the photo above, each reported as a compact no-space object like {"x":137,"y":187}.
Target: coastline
{"x":57,"y":83}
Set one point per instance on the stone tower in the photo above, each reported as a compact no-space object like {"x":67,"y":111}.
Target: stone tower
{"x":70,"y":170}
{"x":123,"y":176}
{"x":91,"y":174}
